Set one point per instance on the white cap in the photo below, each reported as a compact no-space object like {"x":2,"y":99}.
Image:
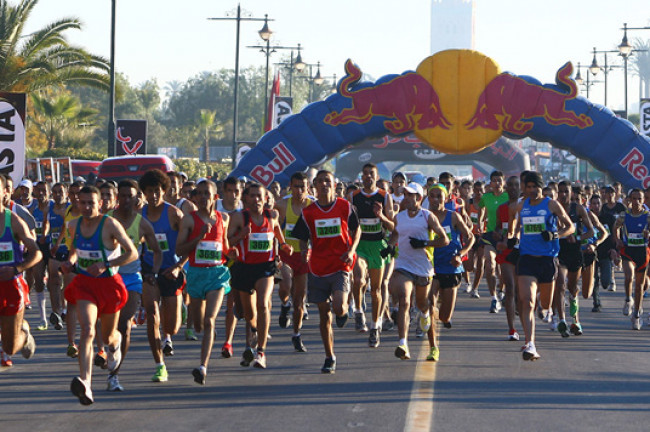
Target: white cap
{"x":414,"y":188}
{"x":201,"y":180}
{"x":26,"y":183}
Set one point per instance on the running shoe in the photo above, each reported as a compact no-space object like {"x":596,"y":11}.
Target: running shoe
{"x":574,"y":307}
{"x":418,"y":331}
{"x":576,"y":329}
{"x":82,"y":390}
{"x":563,"y":329}
{"x":501,"y":295}
{"x":100,"y":359}
{"x":190,"y":335}
{"x":495,"y":306}
{"x":425,"y":322}
{"x":29,"y":347}
{"x":247,"y":357}
{"x":530,"y":353}
{"x":113,"y":384}
{"x":341,"y":321}
{"x":226,"y":350}
{"x":373,"y":338}
{"x":360,"y":322}
{"x":611,"y":288}
{"x":199,"y":377}
{"x":114,"y":355}
{"x":297,"y":344}
{"x":388,"y":324}
{"x":284,"y":319}
{"x":329,"y":367}
{"x":474,"y":294}
{"x":161,"y":374}
{"x":42,"y":326}
{"x":5,"y":360}
{"x":434,"y":354}
{"x":553,"y":324}
{"x":597,"y":308}
{"x":56,"y":321}
{"x":260,"y":361}
{"x":468,"y":288}
{"x":628,"y":307}
{"x":73,"y":351}
{"x":548,"y":316}
{"x":168,"y":348}
{"x":402,"y":352}
{"x":447,"y":324}
{"x":305,"y":314}
{"x":636,"y":321}
{"x":513,"y":335}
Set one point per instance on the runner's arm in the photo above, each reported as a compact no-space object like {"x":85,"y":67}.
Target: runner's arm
{"x":23,"y":234}
{"x":465,"y":232}
{"x":586,"y":220}
{"x":147,"y":231}
{"x":183,"y":245}
{"x":600,"y":227}
{"x":441,"y":239}
{"x":565,"y":226}
{"x":235,"y":228}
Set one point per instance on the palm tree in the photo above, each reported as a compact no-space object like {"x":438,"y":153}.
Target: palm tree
{"x":172,"y":88}
{"x":62,"y":118}
{"x":641,"y":63}
{"x":208,"y":128}
{"x":44,"y":58}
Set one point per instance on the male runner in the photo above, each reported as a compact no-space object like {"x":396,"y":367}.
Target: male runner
{"x":36,"y":275}
{"x":55,"y":220}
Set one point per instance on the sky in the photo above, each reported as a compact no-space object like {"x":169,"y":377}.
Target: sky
{"x":174,"y":40}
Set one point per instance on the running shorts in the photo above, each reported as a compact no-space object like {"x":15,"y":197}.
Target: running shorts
{"x":638,"y":255}
{"x":132,"y":282}
{"x":448,"y":280}
{"x":202,"y":280}
{"x":108,"y":293}
{"x":12,"y":296}
{"x":244,"y":276}
{"x":295,"y":261}
{"x":321,"y":288}
{"x":543,"y":268}
{"x":370,"y":250}
{"x":416,"y":279}
{"x":570,"y":256}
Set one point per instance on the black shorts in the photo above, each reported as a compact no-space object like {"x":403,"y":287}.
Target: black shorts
{"x":488,"y":239}
{"x":167,"y":287}
{"x":243,"y":276}
{"x":448,"y":280}
{"x":588,"y":259}
{"x":513,"y":257}
{"x":45,"y":250}
{"x":638,"y":255}
{"x":542,"y":268}
{"x":570,"y":256}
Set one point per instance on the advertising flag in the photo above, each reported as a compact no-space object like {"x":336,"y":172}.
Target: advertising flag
{"x":12,"y":134}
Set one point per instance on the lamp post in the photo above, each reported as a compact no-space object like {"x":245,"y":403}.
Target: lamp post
{"x":111,"y":97}
{"x":626,"y":50}
{"x":298,"y":64}
{"x":595,"y":67}
{"x":238,"y":18}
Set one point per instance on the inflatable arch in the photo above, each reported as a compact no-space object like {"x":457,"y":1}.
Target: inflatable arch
{"x":457,"y":102}
{"x":502,"y":155}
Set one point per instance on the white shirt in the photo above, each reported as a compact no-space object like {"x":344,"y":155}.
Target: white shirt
{"x":412,"y":260}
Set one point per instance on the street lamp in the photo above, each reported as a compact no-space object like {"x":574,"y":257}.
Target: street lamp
{"x":111,"y":97}
{"x":238,"y":18}
{"x":299,"y":65}
{"x":595,"y":67}
{"x":626,"y":51}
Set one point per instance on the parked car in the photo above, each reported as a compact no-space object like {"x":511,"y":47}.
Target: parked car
{"x":133,"y":167}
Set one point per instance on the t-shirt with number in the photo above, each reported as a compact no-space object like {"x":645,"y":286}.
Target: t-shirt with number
{"x":328,"y":229}
{"x":371,"y":229}
{"x":534,"y":220}
{"x":209,"y":251}
{"x":257,"y":247}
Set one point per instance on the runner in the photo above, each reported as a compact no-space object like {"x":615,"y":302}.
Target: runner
{"x":253,"y":230}
{"x":55,"y":220}
{"x":613,"y":208}
{"x":605,"y":251}
{"x":476,"y":255}
{"x":202,"y":237}
{"x":98,"y":289}
{"x":537,"y":221}
{"x":36,"y":275}
{"x":108,"y":191}
{"x":293,"y":286}
{"x":168,"y":286}
{"x":139,"y":230}
{"x":631,"y":236}
{"x":375,"y":209}
{"x":331,"y":226}
{"x":590,"y":248}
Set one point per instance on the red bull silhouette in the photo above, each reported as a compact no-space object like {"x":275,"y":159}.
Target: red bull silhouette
{"x":518,"y":101}
{"x":409,"y":100}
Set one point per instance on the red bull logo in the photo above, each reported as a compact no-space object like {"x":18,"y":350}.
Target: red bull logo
{"x":510,"y":103}
{"x":409,"y":101}
{"x":266,"y":173}
{"x":633,"y":164}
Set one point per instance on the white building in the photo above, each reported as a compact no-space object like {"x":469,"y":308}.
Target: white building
{"x":452,"y":24}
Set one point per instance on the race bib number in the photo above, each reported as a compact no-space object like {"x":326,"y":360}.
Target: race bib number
{"x":6,"y":253}
{"x":635,"y":239}
{"x":162,"y":241}
{"x":260,"y":242}
{"x":55,"y":236}
{"x":288,"y":229}
{"x":88,"y":258}
{"x":448,"y":231}
{"x":208,"y":252}
{"x":533,"y":224}
{"x":474,"y":218}
{"x":326,"y":228}
{"x":39,"y":228}
{"x":370,"y":225}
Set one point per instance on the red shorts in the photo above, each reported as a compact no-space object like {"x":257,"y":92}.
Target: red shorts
{"x":12,"y":296}
{"x":501,"y":256}
{"x":295,"y":262}
{"x":108,"y":293}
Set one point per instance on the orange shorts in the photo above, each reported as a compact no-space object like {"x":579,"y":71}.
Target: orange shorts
{"x":108,"y":293}
{"x":12,"y":296}
{"x":295,"y":262}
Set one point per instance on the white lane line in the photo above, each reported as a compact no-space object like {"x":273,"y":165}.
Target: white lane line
{"x":419,"y":417}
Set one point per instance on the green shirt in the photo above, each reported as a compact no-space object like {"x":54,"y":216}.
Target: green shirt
{"x":491,"y":203}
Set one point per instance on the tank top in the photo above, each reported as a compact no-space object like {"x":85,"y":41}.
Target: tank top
{"x":166,"y":237}
{"x":133,"y":232}
{"x":91,"y":250}
{"x":397,"y":199}
{"x":534,"y":220}
{"x":290,"y":222}
{"x":330,"y":236}
{"x":473,"y":215}
{"x":257,"y":247}
{"x":209,"y":251}
{"x":39,"y":217}
{"x":412,"y":260}
{"x":634,"y":229}
{"x":11,"y":252}
{"x":371,"y":229}
{"x":442,"y":255}
{"x":69,"y":217}
{"x":222,"y":209}
{"x":56,"y":222}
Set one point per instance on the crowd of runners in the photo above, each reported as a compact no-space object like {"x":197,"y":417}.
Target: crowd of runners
{"x":166,"y":252}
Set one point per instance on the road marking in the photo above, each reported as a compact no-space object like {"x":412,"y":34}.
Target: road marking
{"x":419,"y":416}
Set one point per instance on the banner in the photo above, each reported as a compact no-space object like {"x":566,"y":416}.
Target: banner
{"x":12,"y":135}
{"x":275,"y":93}
{"x":644,"y":117}
{"x":130,"y":137}
{"x":282,"y":108}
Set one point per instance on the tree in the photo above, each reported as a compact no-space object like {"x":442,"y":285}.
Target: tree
{"x":208,"y":128}
{"x":44,"y":58}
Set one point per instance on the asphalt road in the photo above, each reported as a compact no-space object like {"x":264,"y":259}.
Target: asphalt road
{"x":598,"y":381}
